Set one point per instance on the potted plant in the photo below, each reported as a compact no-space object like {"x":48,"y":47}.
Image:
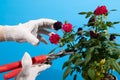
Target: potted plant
{"x":95,"y":52}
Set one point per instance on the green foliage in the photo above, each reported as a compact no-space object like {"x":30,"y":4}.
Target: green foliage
{"x":91,"y":73}
{"x":116,"y":66}
{"x":88,"y":14}
{"x":89,"y":55}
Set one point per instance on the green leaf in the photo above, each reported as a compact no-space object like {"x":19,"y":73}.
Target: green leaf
{"x":88,"y":55}
{"x":88,"y":14}
{"x":107,"y":64}
{"x":88,"y":58}
{"x":78,"y":62}
{"x":71,"y":72}
{"x":91,"y":73}
{"x":113,"y":10}
{"x":110,"y":24}
{"x":67,"y":72}
{"x":78,"y":69}
{"x":65,"y":64}
{"x":82,"y":13}
{"x":72,"y":58}
{"x":116,"y":34}
{"x":112,"y":44}
{"x":116,"y":22}
{"x":75,"y":76}
{"x":116,"y":66}
{"x":51,"y":52}
{"x":116,"y":44}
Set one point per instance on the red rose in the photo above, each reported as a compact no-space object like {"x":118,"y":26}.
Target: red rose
{"x":67,"y":27}
{"x":54,"y":38}
{"x":101,"y":10}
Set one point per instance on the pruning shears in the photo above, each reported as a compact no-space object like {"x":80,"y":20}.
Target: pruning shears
{"x":16,"y":67}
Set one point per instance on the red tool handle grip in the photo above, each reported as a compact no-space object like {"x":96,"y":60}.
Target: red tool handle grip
{"x":10,"y":66}
{"x":14,"y":65}
{"x":39,"y":59}
{"x":12,"y":74}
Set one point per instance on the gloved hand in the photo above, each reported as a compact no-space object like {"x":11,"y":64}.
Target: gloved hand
{"x":30,"y":31}
{"x":29,"y":71}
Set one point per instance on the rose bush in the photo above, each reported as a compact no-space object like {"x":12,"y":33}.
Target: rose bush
{"x":95,"y":51}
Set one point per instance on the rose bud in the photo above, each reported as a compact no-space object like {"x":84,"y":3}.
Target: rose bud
{"x":93,"y":34}
{"x":57,"y":25}
{"x":79,"y":31}
{"x":112,"y":37}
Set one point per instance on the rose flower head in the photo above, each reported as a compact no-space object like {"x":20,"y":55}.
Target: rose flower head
{"x":79,"y":31}
{"x":67,"y":27}
{"x":54,"y":38}
{"x":100,"y":10}
{"x":112,"y":37}
{"x":94,"y":34}
{"x":57,"y":25}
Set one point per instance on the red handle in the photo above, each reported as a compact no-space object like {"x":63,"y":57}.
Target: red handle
{"x":14,"y":65}
{"x":39,"y":59}
{"x":10,"y":66}
{"x":12,"y":74}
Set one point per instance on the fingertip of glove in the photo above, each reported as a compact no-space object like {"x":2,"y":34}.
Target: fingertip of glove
{"x":35,"y":43}
{"x":51,"y":33}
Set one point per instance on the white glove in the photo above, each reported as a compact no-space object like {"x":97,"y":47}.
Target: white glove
{"x":29,"y":71}
{"x":29,"y":31}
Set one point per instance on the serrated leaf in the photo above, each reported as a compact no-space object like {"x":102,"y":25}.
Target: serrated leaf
{"x":52,"y":51}
{"x":88,"y":14}
{"x":116,"y":22}
{"x":110,"y":24}
{"x":66,"y":72}
{"x":113,"y":10}
{"x":65,"y":65}
{"x":75,"y":76}
{"x":71,"y":58}
{"x":116,"y":44}
{"x":88,"y":55}
{"x":88,"y":58}
{"x":116,"y":34}
{"x":91,"y":73}
{"x":116,"y":66}
{"x":71,"y":72}
{"x":113,"y":44}
{"x":78,"y":62}
{"x":82,"y":13}
{"x":78,"y":69}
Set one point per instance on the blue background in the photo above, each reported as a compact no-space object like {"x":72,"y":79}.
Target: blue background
{"x":13,"y":12}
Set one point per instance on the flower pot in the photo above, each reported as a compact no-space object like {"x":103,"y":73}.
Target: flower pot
{"x":109,"y":77}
